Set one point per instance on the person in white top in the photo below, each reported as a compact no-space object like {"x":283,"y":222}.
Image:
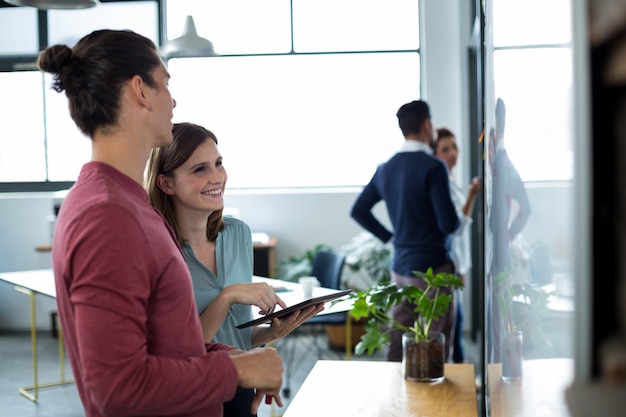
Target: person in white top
{"x":445,"y":148}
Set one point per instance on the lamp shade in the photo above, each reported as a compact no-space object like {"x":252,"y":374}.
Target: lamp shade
{"x":55,"y":4}
{"x":189,"y":44}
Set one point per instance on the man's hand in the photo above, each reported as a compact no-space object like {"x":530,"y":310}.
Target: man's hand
{"x":268,"y":400}
{"x":261,"y":369}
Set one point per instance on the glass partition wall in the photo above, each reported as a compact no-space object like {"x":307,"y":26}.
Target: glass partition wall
{"x":529,"y":211}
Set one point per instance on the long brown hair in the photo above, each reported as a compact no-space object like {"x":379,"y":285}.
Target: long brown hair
{"x":164,"y":160}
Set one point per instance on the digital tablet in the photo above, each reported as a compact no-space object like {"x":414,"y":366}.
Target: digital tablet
{"x":291,"y":309}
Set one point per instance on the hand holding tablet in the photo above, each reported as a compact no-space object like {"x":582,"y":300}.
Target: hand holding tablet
{"x":285,"y":311}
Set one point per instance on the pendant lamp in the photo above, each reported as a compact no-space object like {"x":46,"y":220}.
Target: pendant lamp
{"x":55,"y":4}
{"x":189,"y":44}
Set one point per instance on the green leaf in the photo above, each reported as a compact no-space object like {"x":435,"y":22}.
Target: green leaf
{"x":360,"y":309}
{"x":372,"y":339}
{"x":430,"y":304}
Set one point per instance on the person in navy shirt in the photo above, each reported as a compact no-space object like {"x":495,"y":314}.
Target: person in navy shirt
{"x":415,"y":188}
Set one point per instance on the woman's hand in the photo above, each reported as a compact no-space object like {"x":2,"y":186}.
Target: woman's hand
{"x":475,"y":186}
{"x":260,"y":294}
{"x":281,"y":327}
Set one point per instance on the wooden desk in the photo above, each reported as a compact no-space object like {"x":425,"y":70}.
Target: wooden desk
{"x":32,"y":283}
{"x":368,"y":388}
{"x":46,"y":247}
{"x":540,"y":392}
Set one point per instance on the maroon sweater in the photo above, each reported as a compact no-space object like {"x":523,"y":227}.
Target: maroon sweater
{"x":126,"y":306}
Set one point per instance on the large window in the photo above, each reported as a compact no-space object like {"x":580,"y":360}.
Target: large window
{"x":302,"y":94}
{"x":312,"y":106}
{"x":306,"y":120}
{"x":39,"y":142}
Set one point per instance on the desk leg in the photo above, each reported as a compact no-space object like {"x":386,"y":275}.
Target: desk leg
{"x":348,"y":336}
{"x":33,"y":341}
{"x":62,"y":379}
{"x":32,"y":392}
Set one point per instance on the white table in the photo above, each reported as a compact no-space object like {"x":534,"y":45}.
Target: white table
{"x":32,"y":283}
{"x":291,"y":293}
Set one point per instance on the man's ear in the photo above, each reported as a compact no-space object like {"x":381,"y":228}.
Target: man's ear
{"x":427,"y":126}
{"x":165,"y":184}
{"x":138,"y":90}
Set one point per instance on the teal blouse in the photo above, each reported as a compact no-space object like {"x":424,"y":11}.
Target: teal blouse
{"x":234,"y":257}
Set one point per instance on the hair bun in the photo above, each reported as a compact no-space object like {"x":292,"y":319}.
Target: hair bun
{"x":56,"y":60}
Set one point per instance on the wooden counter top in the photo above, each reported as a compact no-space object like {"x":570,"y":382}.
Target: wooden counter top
{"x":540,"y":391}
{"x":374,"y":389}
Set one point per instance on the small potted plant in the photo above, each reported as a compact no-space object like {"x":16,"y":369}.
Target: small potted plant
{"x":419,"y":342}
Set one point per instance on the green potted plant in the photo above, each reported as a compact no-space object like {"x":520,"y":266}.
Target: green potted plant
{"x":424,"y":355}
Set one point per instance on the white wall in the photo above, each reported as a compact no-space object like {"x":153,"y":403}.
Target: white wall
{"x":446,"y":38}
{"x":301,"y":219}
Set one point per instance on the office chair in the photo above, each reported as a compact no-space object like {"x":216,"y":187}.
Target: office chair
{"x":327,"y":266}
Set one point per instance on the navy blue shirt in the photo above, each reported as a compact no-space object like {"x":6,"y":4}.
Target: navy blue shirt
{"x":416,"y":190}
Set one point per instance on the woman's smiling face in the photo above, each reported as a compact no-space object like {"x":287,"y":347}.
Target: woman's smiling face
{"x":199,"y":183}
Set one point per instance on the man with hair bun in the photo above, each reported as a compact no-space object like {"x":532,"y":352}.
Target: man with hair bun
{"x":124,"y":291}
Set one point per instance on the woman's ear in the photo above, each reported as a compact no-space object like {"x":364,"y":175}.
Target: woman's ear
{"x":165,"y":184}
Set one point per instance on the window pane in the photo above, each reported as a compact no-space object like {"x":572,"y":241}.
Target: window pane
{"x":235,"y":26}
{"x":22,"y":21}
{"x":355,"y":25}
{"x":539,"y":110}
{"x":68,"y":149}
{"x":531,"y":22}
{"x":68,"y":26}
{"x":297,"y":121}
{"x":22,"y":151}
